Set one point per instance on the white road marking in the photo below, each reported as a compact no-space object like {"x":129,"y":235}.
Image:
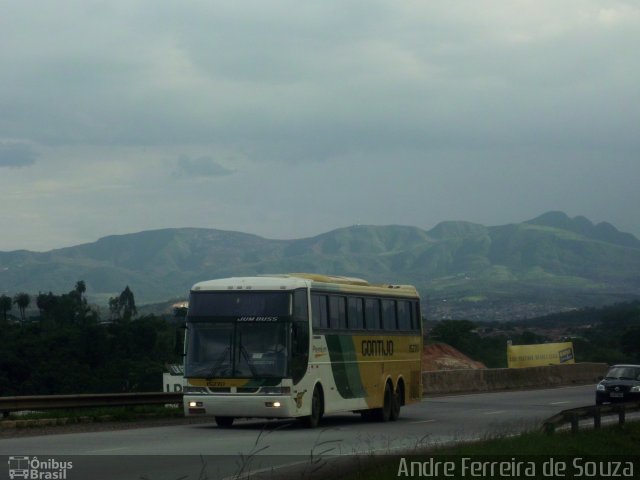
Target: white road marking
{"x":107,"y":450}
{"x":559,"y":403}
{"x":425,"y":421}
{"x":494,"y":413}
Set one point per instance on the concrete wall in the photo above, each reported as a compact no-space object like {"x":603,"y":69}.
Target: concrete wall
{"x":487,"y":380}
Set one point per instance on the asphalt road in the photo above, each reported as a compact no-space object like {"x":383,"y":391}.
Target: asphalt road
{"x":188,"y":451}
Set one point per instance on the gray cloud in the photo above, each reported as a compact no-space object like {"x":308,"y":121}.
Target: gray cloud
{"x":341,"y":77}
{"x":200,"y":167}
{"x":16,"y":154}
{"x":464,"y":105}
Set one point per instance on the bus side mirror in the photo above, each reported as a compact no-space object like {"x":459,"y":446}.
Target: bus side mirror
{"x":179,"y":345}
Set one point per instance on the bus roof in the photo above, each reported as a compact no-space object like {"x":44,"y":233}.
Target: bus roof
{"x":266,"y":282}
{"x":292,"y":281}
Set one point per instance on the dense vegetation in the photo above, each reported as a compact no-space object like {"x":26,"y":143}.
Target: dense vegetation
{"x":610,"y":334}
{"x":68,"y":348}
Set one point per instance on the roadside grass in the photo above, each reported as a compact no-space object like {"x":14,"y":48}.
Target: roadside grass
{"x":97,"y":414}
{"x":608,"y":442}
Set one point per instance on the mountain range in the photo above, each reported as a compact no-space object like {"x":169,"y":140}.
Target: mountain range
{"x":462,"y":269}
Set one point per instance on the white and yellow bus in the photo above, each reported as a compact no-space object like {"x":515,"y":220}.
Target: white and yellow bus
{"x":301,"y":345}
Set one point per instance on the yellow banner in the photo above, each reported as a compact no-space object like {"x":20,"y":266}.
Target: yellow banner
{"x":540,"y":355}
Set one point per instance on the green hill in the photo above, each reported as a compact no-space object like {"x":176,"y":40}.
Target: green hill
{"x":549,"y":263}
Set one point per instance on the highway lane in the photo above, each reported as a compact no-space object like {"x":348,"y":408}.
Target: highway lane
{"x":435,"y":420}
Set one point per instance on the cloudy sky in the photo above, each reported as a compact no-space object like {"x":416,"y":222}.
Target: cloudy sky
{"x":288,"y":119}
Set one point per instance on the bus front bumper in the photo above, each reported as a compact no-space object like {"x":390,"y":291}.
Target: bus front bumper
{"x":260,"y":406}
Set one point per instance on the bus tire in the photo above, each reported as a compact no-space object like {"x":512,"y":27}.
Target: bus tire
{"x":224,"y":422}
{"x":313,"y":420}
{"x":396,"y":403}
{"x":384,"y":414}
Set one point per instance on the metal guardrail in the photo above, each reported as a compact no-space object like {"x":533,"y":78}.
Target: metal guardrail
{"x":51,"y":402}
{"x":574,"y":415}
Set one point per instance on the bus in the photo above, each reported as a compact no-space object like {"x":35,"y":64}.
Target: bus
{"x":300,"y":346}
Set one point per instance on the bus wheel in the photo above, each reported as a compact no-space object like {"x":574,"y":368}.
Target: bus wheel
{"x":224,"y":422}
{"x":313,"y":420}
{"x":384,"y":414}
{"x":396,"y":402}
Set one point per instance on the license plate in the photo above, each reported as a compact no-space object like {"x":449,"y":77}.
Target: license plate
{"x":616,"y":394}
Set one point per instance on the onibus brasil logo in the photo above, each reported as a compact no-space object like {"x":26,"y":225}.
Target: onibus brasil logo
{"x":33,"y":468}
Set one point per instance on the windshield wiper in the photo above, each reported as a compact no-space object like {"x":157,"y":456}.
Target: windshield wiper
{"x":218,"y":363}
{"x":627,"y":378}
{"x":245,"y":354}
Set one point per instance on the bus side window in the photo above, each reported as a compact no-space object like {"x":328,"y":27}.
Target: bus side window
{"x":300,"y":336}
{"x":372,"y":314}
{"x":300,"y":305}
{"x":404,"y":315}
{"x":417,"y":316}
{"x":301,"y":322}
{"x":319,"y":311}
{"x":389,"y":320}
{"x":355,"y":313}
{"x":337,"y":312}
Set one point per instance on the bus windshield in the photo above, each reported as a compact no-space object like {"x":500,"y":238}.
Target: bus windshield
{"x":237,"y":350}
{"x":238,"y":334}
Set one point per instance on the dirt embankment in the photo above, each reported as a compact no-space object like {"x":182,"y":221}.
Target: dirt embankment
{"x":445,"y":370}
{"x":440,"y":356}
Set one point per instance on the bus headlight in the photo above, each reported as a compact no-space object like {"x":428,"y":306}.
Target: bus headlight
{"x":196,"y":404}
{"x":272,"y":404}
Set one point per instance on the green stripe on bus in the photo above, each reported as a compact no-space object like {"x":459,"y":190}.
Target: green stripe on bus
{"x":344,"y":366}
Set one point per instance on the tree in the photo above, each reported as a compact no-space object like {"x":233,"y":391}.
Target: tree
{"x":78,"y":292}
{"x":114,"y":308}
{"x":453,"y":332}
{"x":5,"y":305}
{"x":81,"y":287}
{"x":630,"y":342}
{"x":46,"y":302}
{"x":460,"y":334}
{"x":529,"y":338}
{"x":22,"y":300}
{"x":127,"y":304}
{"x":70,"y":351}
